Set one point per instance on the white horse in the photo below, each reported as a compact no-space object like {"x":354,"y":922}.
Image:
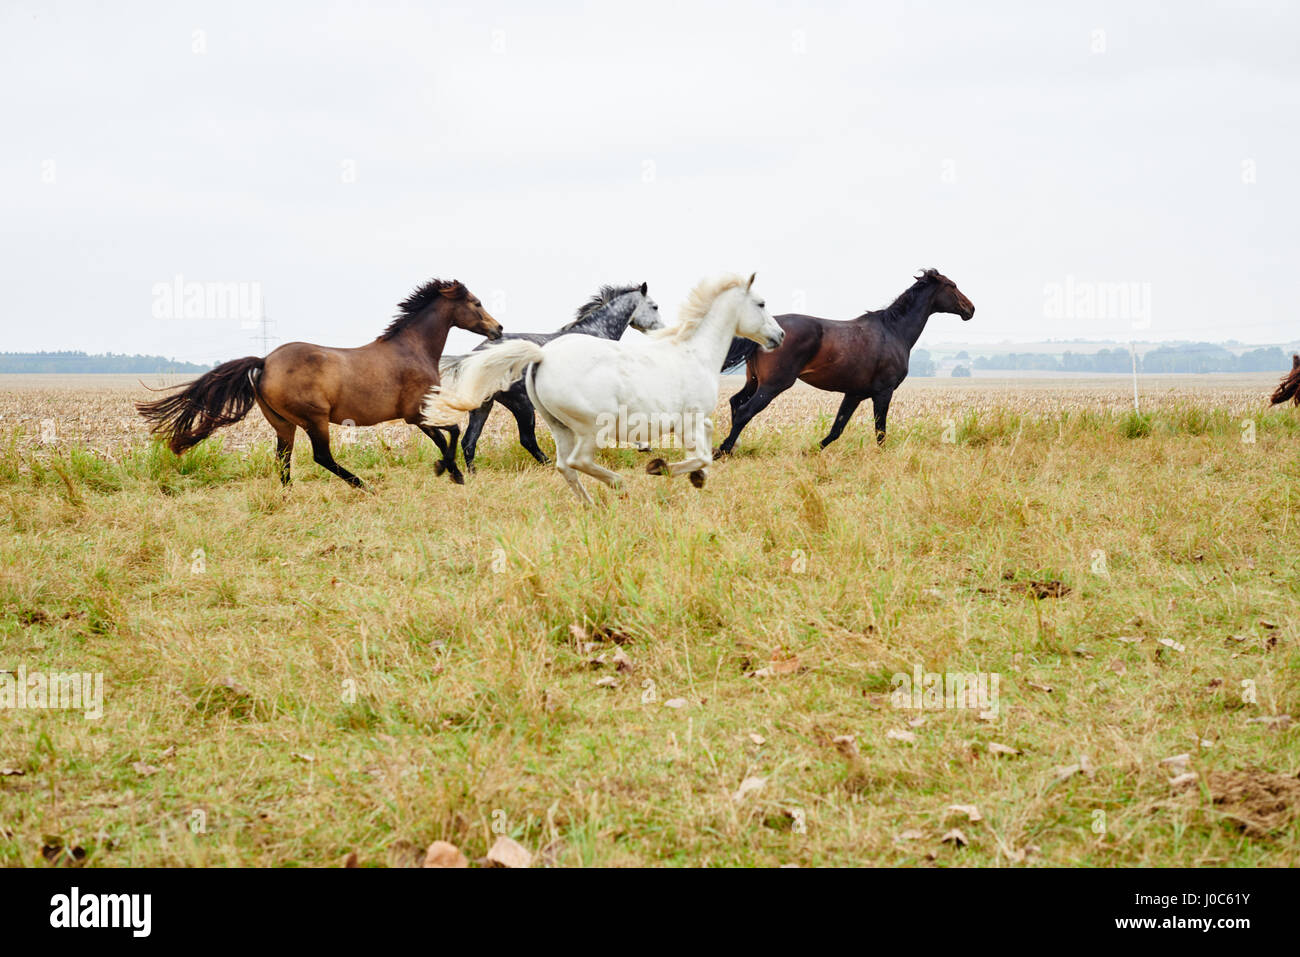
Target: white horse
{"x":590,"y":391}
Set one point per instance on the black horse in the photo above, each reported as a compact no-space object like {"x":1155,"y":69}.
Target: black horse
{"x":606,"y":315}
{"x":864,"y":357}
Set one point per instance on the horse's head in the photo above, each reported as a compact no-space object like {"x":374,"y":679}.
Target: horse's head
{"x":947,"y":297}
{"x":755,"y":323}
{"x":467,"y":312}
{"x":645,"y":317}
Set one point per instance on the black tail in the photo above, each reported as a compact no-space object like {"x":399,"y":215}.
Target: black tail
{"x":220,"y":397}
{"x":1289,"y":388}
{"x":738,"y":354}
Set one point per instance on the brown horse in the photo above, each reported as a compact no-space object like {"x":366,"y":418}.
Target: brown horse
{"x":1289,"y":387}
{"x":864,"y":357}
{"x":301,"y":385}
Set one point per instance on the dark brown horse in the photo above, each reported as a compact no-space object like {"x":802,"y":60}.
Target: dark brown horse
{"x":1289,"y":387}
{"x":864,"y":357}
{"x":301,"y":385}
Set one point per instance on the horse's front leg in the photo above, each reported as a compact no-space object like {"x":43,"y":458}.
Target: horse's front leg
{"x":698,"y":439}
{"x":880,"y":405}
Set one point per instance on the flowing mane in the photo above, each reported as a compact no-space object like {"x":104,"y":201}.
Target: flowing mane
{"x":603,"y":296}
{"x":697,"y":306}
{"x":410,"y":308}
{"x":903,"y":303}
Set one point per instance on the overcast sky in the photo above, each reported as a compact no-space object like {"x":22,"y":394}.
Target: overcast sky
{"x":335,"y":157}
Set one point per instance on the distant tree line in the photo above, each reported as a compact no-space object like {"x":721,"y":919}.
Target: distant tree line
{"x":80,"y":362}
{"x":1189,"y":357}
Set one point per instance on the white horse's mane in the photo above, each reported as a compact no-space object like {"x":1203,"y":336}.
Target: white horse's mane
{"x":697,"y":306}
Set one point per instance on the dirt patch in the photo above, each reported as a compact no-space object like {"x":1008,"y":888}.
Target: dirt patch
{"x":1259,"y":802}
{"x":1031,"y":588}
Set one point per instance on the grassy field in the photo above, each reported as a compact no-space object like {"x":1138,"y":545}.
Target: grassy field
{"x":674,"y":676}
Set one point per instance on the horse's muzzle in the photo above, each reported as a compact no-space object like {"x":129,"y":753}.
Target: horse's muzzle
{"x":774,"y":343}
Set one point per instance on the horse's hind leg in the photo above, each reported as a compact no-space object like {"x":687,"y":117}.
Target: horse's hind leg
{"x":564,"y":443}
{"x":447,"y":446}
{"x":477,"y":419}
{"x":847,"y":408}
{"x":522,"y":410}
{"x":319,"y":433}
{"x":284,"y":434}
{"x":583,"y":458}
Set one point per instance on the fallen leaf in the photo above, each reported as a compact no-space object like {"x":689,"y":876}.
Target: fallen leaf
{"x":988,"y":716}
{"x":508,"y":853}
{"x":1276,"y":721}
{"x":847,"y":745}
{"x":11,"y":772}
{"x":970,"y":810}
{"x":168,"y":753}
{"x":1176,"y":761}
{"x":995,"y":748}
{"x":784,"y":666}
{"x":955,"y":836}
{"x":144,"y":770}
{"x":1084,"y":766}
{"x":1182,"y":780}
{"x":302,"y":757}
{"x":446,"y":854}
{"x":1170,"y":643}
{"x":911,"y":834}
{"x":757,"y":738}
{"x":898,"y":735}
{"x":1130,"y":639}
{"x":607,"y":682}
{"x":621,"y":661}
{"x":1117,"y":666}
{"x":917,"y":721}
{"x":675,"y":703}
{"x":746,"y":786}
{"x":1037,"y":687}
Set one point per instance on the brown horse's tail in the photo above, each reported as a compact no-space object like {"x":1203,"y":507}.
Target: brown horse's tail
{"x":220,"y":397}
{"x":1289,"y":387}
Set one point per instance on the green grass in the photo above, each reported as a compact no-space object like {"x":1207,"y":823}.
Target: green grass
{"x":354,"y":673}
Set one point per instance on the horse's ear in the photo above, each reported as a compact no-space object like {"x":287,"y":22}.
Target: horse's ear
{"x":644,"y":287}
{"x":1295,"y":360}
{"x":751,"y":281}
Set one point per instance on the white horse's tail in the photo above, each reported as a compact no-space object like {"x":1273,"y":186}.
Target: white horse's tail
{"x":476,"y":378}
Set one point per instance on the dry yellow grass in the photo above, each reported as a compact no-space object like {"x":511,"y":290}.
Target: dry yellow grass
{"x":346,"y":673}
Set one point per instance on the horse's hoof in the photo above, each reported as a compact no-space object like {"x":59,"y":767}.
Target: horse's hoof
{"x":721,"y":453}
{"x":439,"y":467}
{"x":657,"y":467}
{"x":697,"y":478}
{"x":458,"y":478}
